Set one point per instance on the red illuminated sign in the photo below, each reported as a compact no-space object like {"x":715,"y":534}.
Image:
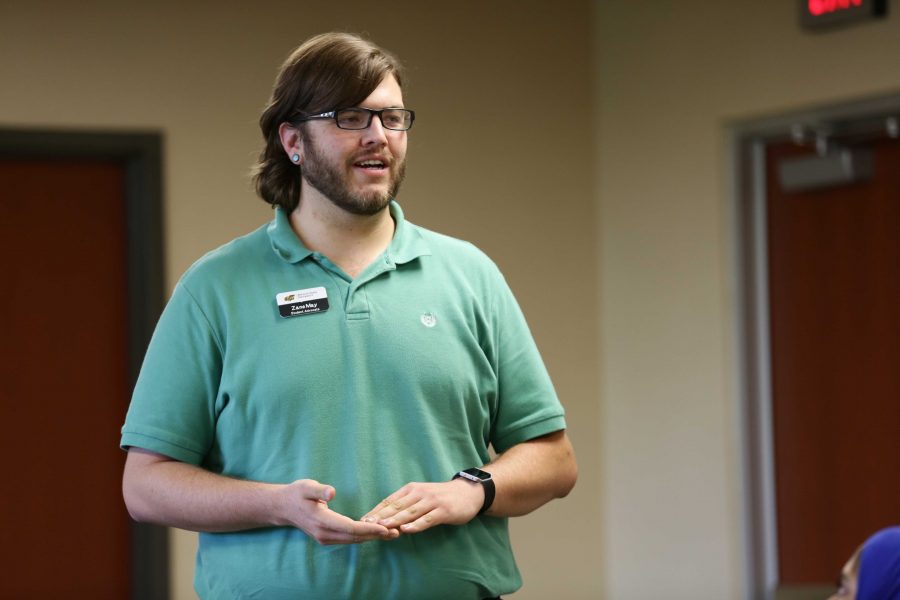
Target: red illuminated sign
{"x":827,"y":13}
{"x":820,"y":7}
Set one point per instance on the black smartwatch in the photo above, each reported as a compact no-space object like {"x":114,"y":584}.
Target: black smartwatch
{"x":484,"y":478}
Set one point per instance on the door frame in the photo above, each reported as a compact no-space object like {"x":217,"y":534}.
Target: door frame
{"x":140,"y":153}
{"x":747,"y":142}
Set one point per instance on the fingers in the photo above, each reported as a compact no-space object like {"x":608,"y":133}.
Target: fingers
{"x":419,"y":506}
{"x":426,"y":521}
{"x":329,"y":527}
{"x":399,"y":501}
{"x":411,"y":514}
{"x":400,"y":508}
{"x":311,"y":514}
{"x":313,"y":490}
{"x":413,"y":508}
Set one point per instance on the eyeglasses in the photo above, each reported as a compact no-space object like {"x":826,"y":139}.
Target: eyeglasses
{"x":397,"y":119}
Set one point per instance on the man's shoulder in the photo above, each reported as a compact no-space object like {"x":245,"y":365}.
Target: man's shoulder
{"x":447,"y":247}
{"x":460,"y":263}
{"x":242,"y":252}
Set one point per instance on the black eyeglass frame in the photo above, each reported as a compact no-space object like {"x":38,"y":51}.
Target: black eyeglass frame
{"x":333,"y":115}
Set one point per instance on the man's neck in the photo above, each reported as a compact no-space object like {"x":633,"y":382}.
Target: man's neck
{"x":350,"y":241}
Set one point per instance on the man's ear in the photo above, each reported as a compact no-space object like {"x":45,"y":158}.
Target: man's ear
{"x":291,"y":140}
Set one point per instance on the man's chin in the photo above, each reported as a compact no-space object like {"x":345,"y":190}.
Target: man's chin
{"x":363,"y":206}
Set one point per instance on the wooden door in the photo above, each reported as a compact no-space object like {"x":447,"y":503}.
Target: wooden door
{"x":834,"y":286}
{"x":63,"y":379}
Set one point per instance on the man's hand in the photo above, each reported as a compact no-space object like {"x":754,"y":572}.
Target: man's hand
{"x":526,"y":477}
{"x":164,"y":491}
{"x":419,"y":506}
{"x":306,"y":502}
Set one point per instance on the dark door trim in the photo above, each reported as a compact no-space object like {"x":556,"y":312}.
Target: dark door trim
{"x":141,"y":155}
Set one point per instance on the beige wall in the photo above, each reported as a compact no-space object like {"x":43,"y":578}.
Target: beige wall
{"x":500,"y":155}
{"x":672,"y":77}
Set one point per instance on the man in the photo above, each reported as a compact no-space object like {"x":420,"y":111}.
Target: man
{"x":313,"y":389}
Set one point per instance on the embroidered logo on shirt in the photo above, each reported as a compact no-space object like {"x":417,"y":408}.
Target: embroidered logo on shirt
{"x":428,"y":319}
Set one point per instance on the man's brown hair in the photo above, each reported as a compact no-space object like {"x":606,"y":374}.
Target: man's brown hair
{"x":328,"y":71}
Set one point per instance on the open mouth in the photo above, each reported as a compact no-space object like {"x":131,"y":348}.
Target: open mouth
{"x":370,"y":164}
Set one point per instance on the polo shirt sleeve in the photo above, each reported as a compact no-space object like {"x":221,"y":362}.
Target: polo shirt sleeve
{"x":528,"y":406}
{"x":173,"y":407}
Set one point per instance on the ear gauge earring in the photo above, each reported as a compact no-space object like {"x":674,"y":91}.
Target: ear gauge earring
{"x":295,"y":158}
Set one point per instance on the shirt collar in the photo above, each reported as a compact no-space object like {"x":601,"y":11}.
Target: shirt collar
{"x":406,"y":245}
{"x":285,"y":242}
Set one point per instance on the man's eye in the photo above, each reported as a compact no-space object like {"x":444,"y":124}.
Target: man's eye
{"x":350,"y":118}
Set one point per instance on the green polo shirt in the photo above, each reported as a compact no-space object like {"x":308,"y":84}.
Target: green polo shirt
{"x":269,"y":363}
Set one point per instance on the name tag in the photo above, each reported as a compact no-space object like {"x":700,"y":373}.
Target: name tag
{"x":302,"y":302}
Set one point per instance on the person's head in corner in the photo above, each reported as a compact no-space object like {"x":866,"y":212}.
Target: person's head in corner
{"x":873,"y":571}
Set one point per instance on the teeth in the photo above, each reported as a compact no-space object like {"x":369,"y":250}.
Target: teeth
{"x":371,"y":163}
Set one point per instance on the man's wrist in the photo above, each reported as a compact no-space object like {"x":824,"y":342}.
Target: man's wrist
{"x":485,"y":480}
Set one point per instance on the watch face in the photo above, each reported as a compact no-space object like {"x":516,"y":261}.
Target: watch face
{"x":475,"y":474}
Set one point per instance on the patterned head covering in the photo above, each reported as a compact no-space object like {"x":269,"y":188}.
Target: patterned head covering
{"x":879,"y":567}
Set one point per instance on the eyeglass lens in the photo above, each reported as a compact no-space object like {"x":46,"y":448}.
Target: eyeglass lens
{"x":360,"y":118}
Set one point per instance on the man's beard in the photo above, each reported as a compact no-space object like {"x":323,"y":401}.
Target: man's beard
{"x":332,"y":182}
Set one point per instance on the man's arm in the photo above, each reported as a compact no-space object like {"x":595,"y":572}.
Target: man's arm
{"x":532,"y":473}
{"x":526,"y":477}
{"x":158,"y":489}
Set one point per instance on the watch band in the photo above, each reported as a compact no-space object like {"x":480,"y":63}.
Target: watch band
{"x":487,"y":483}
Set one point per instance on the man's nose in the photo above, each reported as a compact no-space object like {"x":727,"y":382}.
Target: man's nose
{"x":375,"y":133}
